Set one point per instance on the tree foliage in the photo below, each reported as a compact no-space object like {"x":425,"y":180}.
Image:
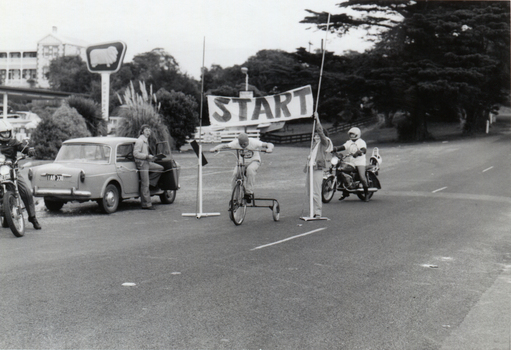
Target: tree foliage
{"x":140,"y":109}
{"x":91,"y":112}
{"x":64,"y":124}
{"x":70,"y":74}
{"x":435,"y":57}
{"x":179,"y":113}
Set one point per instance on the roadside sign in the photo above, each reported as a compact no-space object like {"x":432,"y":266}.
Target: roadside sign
{"x":105,"y":58}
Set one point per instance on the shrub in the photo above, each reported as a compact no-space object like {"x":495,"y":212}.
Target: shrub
{"x":179,"y":113}
{"x":64,"y":124}
{"x":91,"y":112}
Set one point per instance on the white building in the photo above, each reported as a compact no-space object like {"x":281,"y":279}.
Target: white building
{"x":28,"y":68}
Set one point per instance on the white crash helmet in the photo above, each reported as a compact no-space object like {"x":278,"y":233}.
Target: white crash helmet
{"x":356,"y":132}
{"x":5,"y":130}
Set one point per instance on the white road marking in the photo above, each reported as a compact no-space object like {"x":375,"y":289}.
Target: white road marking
{"x":440,"y":189}
{"x":485,"y":170}
{"x":289,"y":238}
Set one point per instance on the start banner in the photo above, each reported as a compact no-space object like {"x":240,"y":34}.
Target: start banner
{"x":235,"y":111}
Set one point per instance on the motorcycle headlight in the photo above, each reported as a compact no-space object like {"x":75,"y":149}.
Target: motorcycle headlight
{"x":334,"y":160}
{"x":5,"y":170}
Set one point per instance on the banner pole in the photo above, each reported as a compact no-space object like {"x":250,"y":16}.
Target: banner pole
{"x":311,"y":161}
{"x":198,"y":207}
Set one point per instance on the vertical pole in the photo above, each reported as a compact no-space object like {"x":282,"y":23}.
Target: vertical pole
{"x":311,"y":161}
{"x":105,"y":95}
{"x":199,"y":212}
{"x":198,"y":208}
{"x":6,"y":107}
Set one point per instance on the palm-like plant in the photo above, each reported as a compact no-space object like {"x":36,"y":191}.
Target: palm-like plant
{"x":139,"y":109}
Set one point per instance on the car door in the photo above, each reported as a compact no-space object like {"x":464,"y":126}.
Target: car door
{"x":127,"y":170}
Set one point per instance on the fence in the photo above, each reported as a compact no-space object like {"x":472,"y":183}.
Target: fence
{"x":213,"y":136}
{"x":295,"y":138}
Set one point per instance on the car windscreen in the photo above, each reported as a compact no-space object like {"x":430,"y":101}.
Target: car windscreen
{"x":85,"y":153}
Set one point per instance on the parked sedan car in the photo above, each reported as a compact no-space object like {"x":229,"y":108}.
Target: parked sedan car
{"x":100,"y":169}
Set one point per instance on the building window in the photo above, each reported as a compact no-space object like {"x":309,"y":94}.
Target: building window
{"x":30,"y":54}
{"x":29,"y":74}
{"x":3,"y":74}
{"x":15,"y":55}
{"x":50,"y":52}
{"x":14,"y":74}
{"x":3,"y":54}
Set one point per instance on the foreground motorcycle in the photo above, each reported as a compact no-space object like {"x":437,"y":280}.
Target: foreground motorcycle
{"x":11,"y":210}
{"x":337,"y":179}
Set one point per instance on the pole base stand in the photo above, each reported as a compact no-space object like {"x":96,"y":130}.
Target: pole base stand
{"x":200,"y":215}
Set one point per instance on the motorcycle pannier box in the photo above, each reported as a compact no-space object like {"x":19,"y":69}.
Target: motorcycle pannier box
{"x":169,"y":180}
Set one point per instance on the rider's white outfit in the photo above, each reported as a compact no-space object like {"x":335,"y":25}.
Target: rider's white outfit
{"x":252,"y":162}
{"x":360,"y":160}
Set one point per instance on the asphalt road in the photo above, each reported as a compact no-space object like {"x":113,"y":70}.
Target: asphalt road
{"x":426,"y":264}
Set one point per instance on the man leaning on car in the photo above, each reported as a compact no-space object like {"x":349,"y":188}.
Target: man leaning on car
{"x":150,"y":172}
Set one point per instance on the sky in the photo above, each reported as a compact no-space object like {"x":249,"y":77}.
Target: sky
{"x":222,"y":32}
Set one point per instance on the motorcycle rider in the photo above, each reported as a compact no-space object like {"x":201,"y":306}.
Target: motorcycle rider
{"x":356,"y":160}
{"x":10,"y":147}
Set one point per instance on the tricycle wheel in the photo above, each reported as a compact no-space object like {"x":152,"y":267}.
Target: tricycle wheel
{"x":237,"y":205}
{"x":276,"y":211}
{"x":168,"y":196}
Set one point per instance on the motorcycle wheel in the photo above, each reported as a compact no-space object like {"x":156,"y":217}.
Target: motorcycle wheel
{"x":370,"y":183}
{"x":327,"y":190}
{"x":168,"y":196}
{"x":13,"y":214}
{"x":237,"y":205}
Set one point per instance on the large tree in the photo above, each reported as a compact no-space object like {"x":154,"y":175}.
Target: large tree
{"x":433,"y":57}
{"x":70,"y":74}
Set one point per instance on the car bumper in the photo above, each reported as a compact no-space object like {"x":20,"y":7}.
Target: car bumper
{"x":68,"y":192}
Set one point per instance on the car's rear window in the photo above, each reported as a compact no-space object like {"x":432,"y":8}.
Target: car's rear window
{"x":90,"y":153}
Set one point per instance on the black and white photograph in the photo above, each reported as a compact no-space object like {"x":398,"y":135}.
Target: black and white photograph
{"x":255,"y":175}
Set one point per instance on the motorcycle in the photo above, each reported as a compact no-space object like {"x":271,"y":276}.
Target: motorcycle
{"x":337,"y":179}
{"x":11,"y":209}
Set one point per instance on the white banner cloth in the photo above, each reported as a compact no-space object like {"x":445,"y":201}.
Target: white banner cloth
{"x":235,"y":111}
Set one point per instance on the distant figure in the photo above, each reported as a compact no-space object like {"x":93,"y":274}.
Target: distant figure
{"x":357,"y":159}
{"x":321,"y":147}
{"x":150,"y":172}
{"x":10,"y":147}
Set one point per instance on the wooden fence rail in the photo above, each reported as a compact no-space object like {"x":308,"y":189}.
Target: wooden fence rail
{"x":295,"y":138}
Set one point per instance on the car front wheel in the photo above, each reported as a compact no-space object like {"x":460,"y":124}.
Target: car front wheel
{"x":110,"y":201}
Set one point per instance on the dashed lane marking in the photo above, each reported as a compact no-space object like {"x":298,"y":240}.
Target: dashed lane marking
{"x":438,"y":190}
{"x":289,"y":238}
